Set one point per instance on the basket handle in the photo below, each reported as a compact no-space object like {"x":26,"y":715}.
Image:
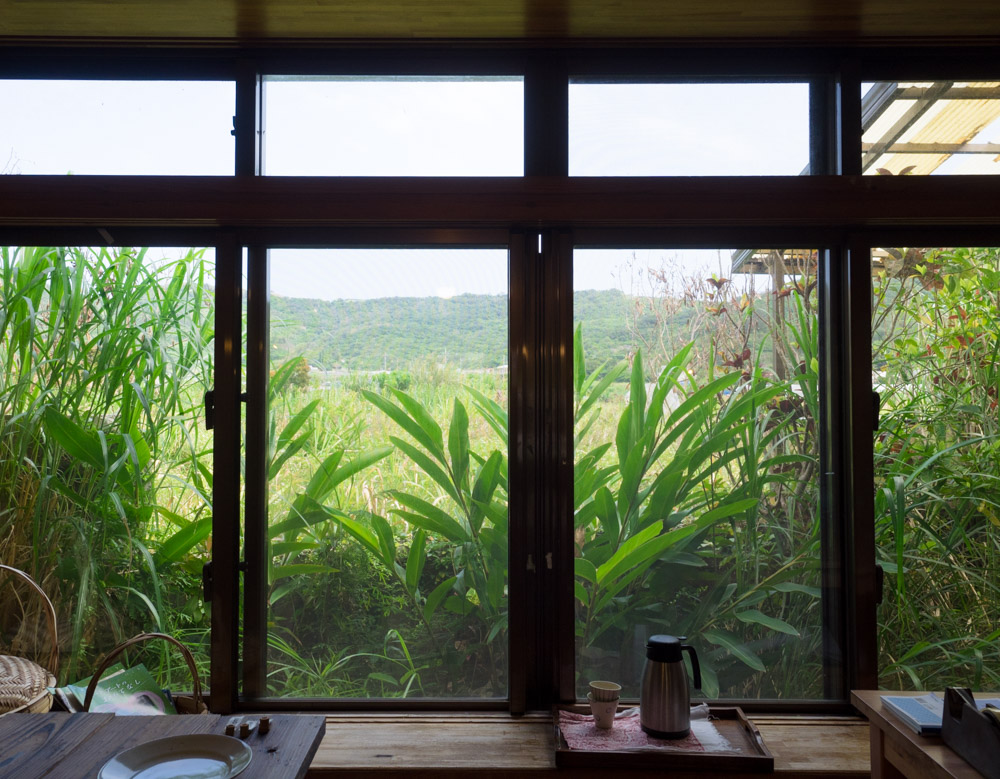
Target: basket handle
{"x":50,"y":616}
{"x":188,"y":658}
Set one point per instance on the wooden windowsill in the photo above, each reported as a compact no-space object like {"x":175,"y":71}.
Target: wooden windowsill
{"x":427,"y":746}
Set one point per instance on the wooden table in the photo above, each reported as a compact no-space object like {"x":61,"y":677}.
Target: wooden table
{"x":58,"y":744}
{"x":899,"y":752}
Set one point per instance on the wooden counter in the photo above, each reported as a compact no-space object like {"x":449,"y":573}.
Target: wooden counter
{"x":429,"y":746}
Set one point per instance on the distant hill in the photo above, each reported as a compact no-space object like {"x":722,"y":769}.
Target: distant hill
{"x":467,"y":331}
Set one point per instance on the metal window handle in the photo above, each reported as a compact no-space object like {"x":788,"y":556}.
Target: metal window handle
{"x":210,"y":409}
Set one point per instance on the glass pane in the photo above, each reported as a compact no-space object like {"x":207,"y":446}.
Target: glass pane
{"x":939,"y":127}
{"x":381,"y":126}
{"x":171,"y":128}
{"x":697,"y":497}
{"x":688,"y":129}
{"x":105,"y":476}
{"x":389,"y":371}
{"x":936,"y":337}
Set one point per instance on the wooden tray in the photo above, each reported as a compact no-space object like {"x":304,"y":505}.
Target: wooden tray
{"x":749,"y":753}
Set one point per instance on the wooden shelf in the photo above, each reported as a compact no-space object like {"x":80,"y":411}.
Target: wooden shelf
{"x":428,"y":746}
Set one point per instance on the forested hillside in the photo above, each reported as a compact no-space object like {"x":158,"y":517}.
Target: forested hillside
{"x":467,"y":331}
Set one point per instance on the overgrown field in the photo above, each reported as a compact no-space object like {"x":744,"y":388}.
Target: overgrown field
{"x":696,"y":493}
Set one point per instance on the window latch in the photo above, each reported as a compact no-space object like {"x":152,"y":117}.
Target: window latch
{"x":210,"y":410}
{"x":206,"y":582}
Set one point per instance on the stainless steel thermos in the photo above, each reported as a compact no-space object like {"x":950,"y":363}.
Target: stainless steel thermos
{"x":664,"y":699}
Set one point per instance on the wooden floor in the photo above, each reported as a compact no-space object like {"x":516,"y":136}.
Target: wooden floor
{"x":495,"y":745}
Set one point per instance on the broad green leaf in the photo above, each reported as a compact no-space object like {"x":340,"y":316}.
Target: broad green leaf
{"x":804,"y":588}
{"x":607,"y":513}
{"x":415,"y":561}
{"x":281,"y":548}
{"x":292,"y":427}
{"x":492,"y":412}
{"x":585,"y":569}
{"x":410,"y":425}
{"x":289,"y":451}
{"x":386,"y":541}
{"x":484,"y":488}
{"x":628,"y":554}
{"x":78,"y":443}
{"x":428,"y":466}
{"x":731,"y":643}
{"x":429,"y":517}
{"x":423,"y":418}
{"x":579,"y":368}
{"x":436,"y":596}
{"x":459,"y":605}
{"x":458,"y":444}
{"x":758,"y":617}
{"x":298,"y":569}
{"x":183,"y":541}
{"x":595,"y":394}
{"x":363,"y":534}
{"x":637,"y":397}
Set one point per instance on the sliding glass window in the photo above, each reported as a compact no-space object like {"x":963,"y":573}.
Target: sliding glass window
{"x":386,"y":525}
{"x":697,"y":492}
{"x":106,"y":473}
{"x":936,"y":341}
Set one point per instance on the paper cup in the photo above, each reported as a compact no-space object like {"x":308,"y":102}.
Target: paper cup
{"x":605,"y":691}
{"x":603,"y":711}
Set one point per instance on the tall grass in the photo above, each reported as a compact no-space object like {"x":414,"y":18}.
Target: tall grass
{"x":696,"y":514}
{"x":104,"y":358}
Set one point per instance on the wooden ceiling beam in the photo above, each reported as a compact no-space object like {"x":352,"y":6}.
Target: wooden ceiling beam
{"x":290,"y":20}
{"x":819,"y":201}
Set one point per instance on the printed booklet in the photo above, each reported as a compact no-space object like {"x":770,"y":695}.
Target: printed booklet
{"x":124,"y":691}
{"x":923,"y":713}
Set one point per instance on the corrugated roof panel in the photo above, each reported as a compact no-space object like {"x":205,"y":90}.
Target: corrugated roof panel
{"x":946,"y":122}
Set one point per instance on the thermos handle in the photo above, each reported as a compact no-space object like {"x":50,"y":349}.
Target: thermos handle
{"x":694,"y":665}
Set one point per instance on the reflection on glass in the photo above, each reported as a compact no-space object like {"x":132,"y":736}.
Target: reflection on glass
{"x":939,"y":127}
{"x":936,"y":331}
{"x":697,"y":498}
{"x":417,"y":126}
{"x":388,"y":475}
{"x":170,"y":128}
{"x":688,"y":129}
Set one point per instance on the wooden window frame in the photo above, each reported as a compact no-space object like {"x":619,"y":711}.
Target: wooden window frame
{"x":834,"y":208}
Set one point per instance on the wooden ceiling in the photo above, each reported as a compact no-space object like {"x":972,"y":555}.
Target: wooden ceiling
{"x":265,"y":21}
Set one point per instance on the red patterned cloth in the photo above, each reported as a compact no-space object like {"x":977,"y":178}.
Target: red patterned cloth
{"x":580,"y":732}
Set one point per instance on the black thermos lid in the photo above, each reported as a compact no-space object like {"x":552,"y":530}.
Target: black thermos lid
{"x":664,"y":649}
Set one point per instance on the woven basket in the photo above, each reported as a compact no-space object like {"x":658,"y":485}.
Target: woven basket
{"x":23,"y":682}
{"x":185,"y":704}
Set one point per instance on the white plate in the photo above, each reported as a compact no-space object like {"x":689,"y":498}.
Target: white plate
{"x":198,"y":756}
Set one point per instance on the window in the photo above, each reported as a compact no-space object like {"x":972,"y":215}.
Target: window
{"x":171,"y":128}
{"x":688,"y":129}
{"x":697,"y":490}
{"x":387,"y":476}
{"x":403,"y":126}
{"x":931,"y":127}
{"x":418,"y":480}
{"x":106,"y":475}
{"x":935,"y":337}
